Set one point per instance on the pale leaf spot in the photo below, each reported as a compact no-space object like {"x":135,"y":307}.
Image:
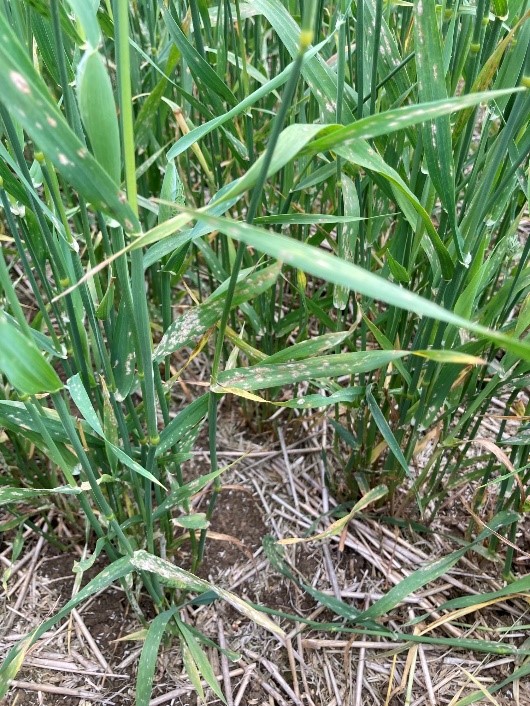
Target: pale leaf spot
{"x":20,"y":82}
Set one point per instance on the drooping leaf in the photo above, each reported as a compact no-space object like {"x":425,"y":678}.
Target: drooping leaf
{"x":432,"y":571}
{"x":82,"y":400}
{"x":15,"y":658}
{"x":265,"y":375}
{"x":321,"y":264}
{"x":148,"y":656}
{"x":336,"y":527}
{"x":15,"y":417}
{"x":23,"y":364}
{"x":10,"y":495}
{"x":194,"y":322}
{"x":320,"y":78}
{"x":202,"y":71}
{"x":165,"y":569}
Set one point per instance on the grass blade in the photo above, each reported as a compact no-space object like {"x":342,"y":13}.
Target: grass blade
{"x":431,"y":86}
{"x":386,"y":431}
{"x":22,"y":362}
{"x":197,"y":320}
{"x":15,"y":658}
{"x":204,"y":668}
{"x":25,"y":93}
{"x":148,"y":657}
{"x":273,"y":375}
{"x":164,"y":569}
{"x":336,"y":527}
{"x":431,"y":572}
{"x":321,"y":264}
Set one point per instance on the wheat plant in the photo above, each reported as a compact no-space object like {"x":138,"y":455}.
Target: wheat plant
{"x":323,"y":199}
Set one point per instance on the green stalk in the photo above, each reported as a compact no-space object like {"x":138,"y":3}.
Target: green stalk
{"x":37,"y":413}
{"x":121,"y":16}
{"x":72,"y":114}
{"x":137,"y":274}
{"x":139,"y":300}
{"x":375,"y":55}
{"x":305,"y":41}
{"x":12,"y":299}
{"x":359,"y":57}
{"x":77,"y":266}
{"x":97,"y":493}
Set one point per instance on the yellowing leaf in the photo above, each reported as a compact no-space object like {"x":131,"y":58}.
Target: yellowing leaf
{"x":336,"y":527}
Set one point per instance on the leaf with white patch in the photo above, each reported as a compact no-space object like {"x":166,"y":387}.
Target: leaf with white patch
{"x":183,"y":429}
{"x":148,"y":656}
{"x":26,"y":96}
{"x":98,"y":112}
{"x":14,"y":660}
{"x":21,"y":495}
{"x":265,"y":375}
{"x":184,"y":492}
{"x":197,"y":521}
{"x":194,"y":322}
{"x":322,"y":264}
{"x":313,"y":346}
{"x":165,"y":570}
{"x":347,"y":236}
{"x":336,"y":527}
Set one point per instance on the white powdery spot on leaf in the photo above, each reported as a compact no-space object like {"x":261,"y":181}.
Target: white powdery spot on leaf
{"x":185,"y":327}
{"x":20,"y":82}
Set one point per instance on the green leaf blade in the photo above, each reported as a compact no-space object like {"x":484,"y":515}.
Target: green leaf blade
{"x":23,"y":364}
{"x":148,"y":657}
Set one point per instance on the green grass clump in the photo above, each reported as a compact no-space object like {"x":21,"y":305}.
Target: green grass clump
{"x":340,"y":185}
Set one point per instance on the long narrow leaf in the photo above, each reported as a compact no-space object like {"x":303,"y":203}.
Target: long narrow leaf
{"x":164,"y":569}
{"x":25,"y":93}
{"x":317,"y":262}
{"x":431,"y":572}
{"x":148,"y":657}
{"x":15,"y":658}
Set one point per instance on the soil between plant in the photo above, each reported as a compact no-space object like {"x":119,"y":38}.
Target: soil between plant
{"x":243,"y":516}
{"x":237,"y":517}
